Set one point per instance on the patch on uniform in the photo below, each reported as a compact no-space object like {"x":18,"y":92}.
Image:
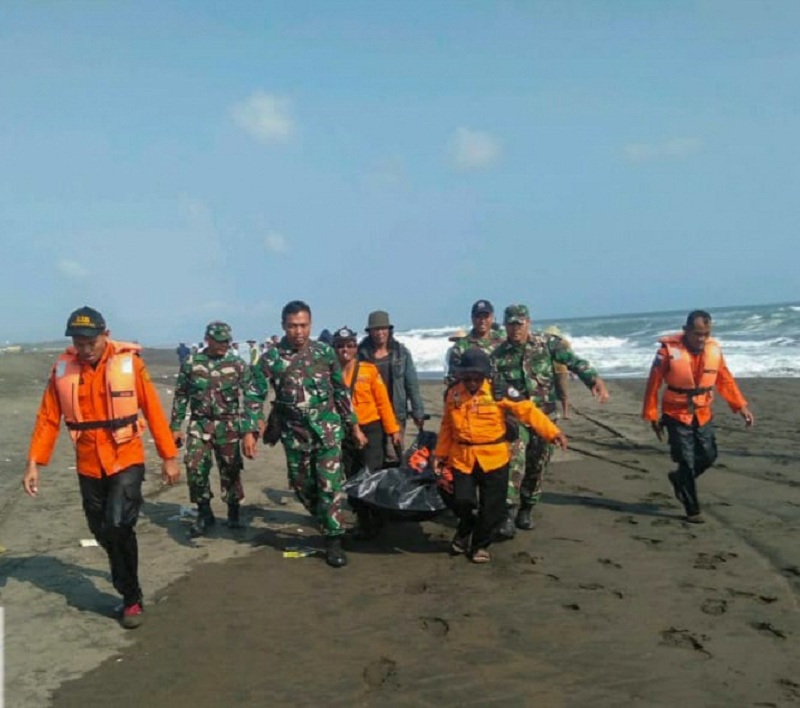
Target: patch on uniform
{"x":61,"y":368}
{"x":514,"y":394}
{"x":126,"y":365}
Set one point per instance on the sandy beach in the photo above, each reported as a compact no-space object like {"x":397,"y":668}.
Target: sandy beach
{"x":613,"y":600}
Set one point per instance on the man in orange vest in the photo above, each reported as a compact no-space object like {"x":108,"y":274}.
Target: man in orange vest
{"x":99,"y":386}
{"x":473,"y":443}
{"x":692,"y":366}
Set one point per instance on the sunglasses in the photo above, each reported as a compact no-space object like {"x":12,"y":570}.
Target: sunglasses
{"x":344,"y":345}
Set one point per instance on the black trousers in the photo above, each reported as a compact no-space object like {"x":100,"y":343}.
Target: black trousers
{"x":111,"y":504}
{"x":485,"y":491}
{"x":371,"y":456}
{"x":694,"y":448}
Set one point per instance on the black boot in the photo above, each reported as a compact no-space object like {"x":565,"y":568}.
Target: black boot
{"x":205,"y":520}
{"x":524,"y":518}
{"x":506,"y":531}
{"x":233,"y":516}
{"x":334,"y":555}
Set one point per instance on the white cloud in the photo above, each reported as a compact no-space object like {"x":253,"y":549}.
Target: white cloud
{"x":474,"y":149}
{"x":72,"y":269}
{"x":673,"y":148}
{"x":266,"y":117}
{"x":275,"y":242}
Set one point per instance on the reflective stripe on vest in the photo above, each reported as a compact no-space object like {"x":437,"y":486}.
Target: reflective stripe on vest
{"x":683,"y":394}
{"x":120,"y":387}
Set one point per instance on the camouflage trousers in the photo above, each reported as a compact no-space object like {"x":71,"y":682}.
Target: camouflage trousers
{"x":225,"y":449}
{"x":530,"y":456}
{"x":316,"y":476}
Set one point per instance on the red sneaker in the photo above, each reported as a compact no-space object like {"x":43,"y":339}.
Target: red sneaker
{"x":132,"y":616}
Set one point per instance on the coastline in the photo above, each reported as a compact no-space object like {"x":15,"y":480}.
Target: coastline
{"x":613,"y":599}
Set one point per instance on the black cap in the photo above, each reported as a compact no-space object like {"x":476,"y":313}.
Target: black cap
{"x":475,"y":361}
{"x":85,"y":322}
{"x":344,"y":333}
{"x":482,"y":307}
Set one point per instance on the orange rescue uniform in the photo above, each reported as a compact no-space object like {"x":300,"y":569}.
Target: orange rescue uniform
{"x":370,"y":397}
{"x":473,"y":427}
{"x":97,"y":451}
{"x":676,"y":366}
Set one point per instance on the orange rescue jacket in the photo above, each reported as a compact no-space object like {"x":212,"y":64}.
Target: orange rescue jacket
{"x":691,"y":379}
{"x":370,"y":397}
{"x":98,"y":450}
{"x":122,"y":405}
{"x":473,"y":428}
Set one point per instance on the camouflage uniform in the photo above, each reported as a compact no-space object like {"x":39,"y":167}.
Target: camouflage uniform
{"x":211,"y":389}
{"x":314,"y":407}
{"x":528,"y":368}
{"x":486,"y":344}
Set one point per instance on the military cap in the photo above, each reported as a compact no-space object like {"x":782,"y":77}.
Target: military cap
{"x":378,"y":319}
{"x":515,"y":313}
{"x":343,"y":334}
{"x":482,"y":307}
{"x":474,"y":361}
{"x":85,"y":322}
{"x":219,"y":331}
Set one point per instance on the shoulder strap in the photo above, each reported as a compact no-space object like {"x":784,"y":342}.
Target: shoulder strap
{"x":355,"y":378}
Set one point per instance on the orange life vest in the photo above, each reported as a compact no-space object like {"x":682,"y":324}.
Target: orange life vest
{"x":683,"y":394}
{"x":123,"y":405}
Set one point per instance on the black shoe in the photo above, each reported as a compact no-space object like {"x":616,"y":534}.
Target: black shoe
{"x":233,"y":521}
{"x":205,"y":520}
{"x":524,"y":518}
{"x":507,"y":530}
{"x":334,"y":555}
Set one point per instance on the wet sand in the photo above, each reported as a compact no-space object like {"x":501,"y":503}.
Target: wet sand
{"x":612,"y":600}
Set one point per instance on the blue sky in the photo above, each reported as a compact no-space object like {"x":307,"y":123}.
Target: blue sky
{"x":172,"y":163}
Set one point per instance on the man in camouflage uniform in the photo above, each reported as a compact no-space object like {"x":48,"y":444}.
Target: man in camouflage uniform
{"x":482,"y":336}
{"x":211,"y":384}
{"x":315,"y":410}
{"x":524,"y":362}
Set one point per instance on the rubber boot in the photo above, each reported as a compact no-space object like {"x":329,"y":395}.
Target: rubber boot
{"x":506,"y":531}
{"x":205,"y":520}
{"x":233,"y":516}
{"x":334,"y":555}
{"x":524,"y":518}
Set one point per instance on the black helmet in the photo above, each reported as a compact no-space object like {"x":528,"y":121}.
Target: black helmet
{"x":475,"y":361}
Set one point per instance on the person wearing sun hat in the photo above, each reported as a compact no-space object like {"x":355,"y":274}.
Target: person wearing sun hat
{"x":396,"y":367}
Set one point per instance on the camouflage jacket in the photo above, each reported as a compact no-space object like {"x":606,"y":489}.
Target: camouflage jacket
{"x":528,"y":367}
{"x":487,"y":344}
{"x":311,"y":398}
{"x":211,"y":389}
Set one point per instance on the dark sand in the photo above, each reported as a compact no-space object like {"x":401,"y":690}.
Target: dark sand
{"x":613,"y":600}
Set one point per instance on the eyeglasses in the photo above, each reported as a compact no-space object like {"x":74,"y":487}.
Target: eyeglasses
{"x":344,"y":345}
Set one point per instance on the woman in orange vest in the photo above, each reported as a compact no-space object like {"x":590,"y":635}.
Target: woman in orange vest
{"x":473,"y":443}
{"x":692,"y":366}
{"x":99,"y":387}
{"x":375,"y":415}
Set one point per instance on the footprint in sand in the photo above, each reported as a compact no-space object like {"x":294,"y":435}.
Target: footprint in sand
{"x":684,"y":639}
{"x":416,"y":587}
{"x":769,"y":628}
{"x":710,"y":561}
{"x":648,"y":541}
{"x":627,"y":519}
{"x":763,"y":599}
{"x":380,"y":672}
{"x":790,"y":688}
{"x":714,"y":607}
{"x":574,"y":606}
{"x":435,"y":626}
{"x":608,"y":562}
